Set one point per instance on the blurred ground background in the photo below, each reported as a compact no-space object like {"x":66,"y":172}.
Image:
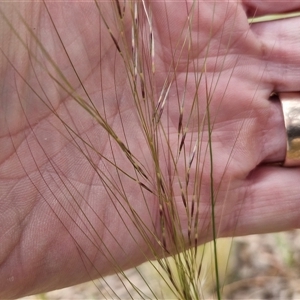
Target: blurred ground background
{"x":259,"y":267}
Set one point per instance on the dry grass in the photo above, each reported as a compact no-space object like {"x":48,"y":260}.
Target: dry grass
{"x":196,"y":272}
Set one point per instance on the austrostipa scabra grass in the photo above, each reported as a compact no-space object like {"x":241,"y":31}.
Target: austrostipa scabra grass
{"x":113,"y":126}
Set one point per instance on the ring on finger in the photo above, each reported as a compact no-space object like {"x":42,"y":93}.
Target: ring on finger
{"x":290,"y":103}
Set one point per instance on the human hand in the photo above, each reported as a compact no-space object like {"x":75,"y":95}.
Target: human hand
{"x":89,"y":183}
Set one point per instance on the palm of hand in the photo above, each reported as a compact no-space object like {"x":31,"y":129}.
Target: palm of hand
{"x":64,"y":164}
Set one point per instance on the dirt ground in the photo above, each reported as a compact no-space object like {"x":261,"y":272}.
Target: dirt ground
{"x":260,"y":267}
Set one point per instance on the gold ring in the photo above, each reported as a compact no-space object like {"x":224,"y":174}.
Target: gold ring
{"x":290,"y":103}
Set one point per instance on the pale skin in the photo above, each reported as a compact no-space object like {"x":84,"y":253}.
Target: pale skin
{"x":47,"y":241}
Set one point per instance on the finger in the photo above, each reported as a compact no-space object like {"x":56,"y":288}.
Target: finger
{"x":264,"y":7}
{"x":271,"y":202}
{"x":280,"y":41}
